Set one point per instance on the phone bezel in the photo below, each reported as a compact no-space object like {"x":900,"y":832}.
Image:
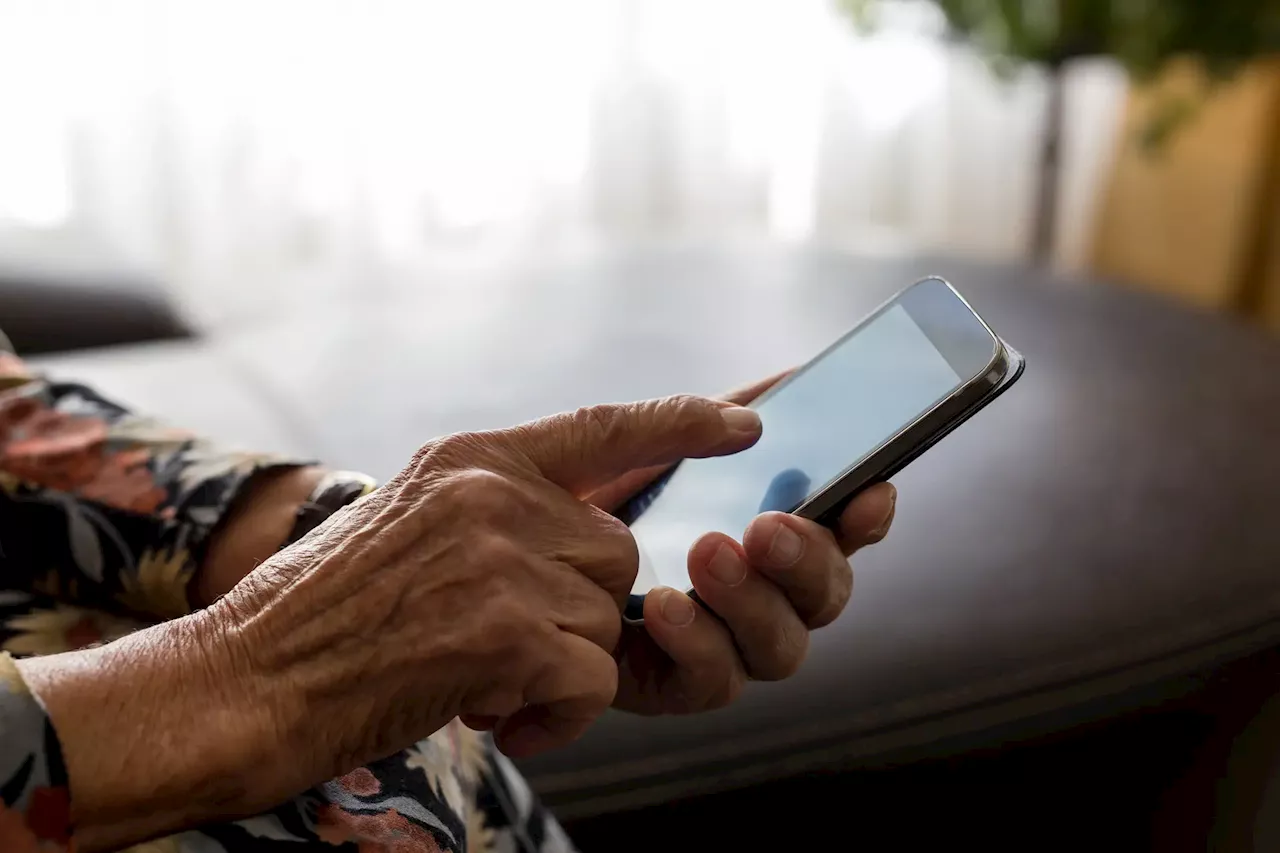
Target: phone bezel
{"x":892,"y":455}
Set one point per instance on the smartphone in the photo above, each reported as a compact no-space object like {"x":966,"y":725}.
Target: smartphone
{"x":917,"y":367}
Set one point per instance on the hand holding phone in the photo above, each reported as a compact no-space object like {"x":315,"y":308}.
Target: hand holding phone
{"x":873,"y":401}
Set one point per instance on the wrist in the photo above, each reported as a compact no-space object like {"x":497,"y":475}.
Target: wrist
{"x":159,"y":732}
{"x":255,"y":528}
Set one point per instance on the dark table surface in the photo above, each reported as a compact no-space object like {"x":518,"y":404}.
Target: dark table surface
{"x":1111,"y":523}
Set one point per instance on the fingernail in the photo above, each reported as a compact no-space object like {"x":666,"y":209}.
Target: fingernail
{"x":786,"y":547}
{"x":676,"y":608}
{"x":742,"y":420}
{"x":883,"y":530}
{"x":727,"y":567}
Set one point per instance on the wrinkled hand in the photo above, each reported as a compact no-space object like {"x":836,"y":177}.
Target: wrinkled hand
{"x":787,"y":577}
{"x":475,"y":583}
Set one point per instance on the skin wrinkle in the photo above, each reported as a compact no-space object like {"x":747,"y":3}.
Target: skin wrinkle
{"x":572,"y":614}
{"x":469,"y":568}
{"x":837,"y":599}
{"x":607,"y":555}
{"x":300,"y":647}
{"x":360,"y":543}
{"x":263,"y":688}
{"x":430,"y":557}
{"x":175,"y":654}
{"x":437,"y":556}
{"x":791,"y":647}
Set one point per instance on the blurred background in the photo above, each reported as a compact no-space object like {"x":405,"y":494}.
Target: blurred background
{"x":359,"y":224}
{"x":248,"y":155}
{"x":251,"y":154}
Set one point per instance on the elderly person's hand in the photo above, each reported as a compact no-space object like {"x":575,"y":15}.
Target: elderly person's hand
{"x":476,"y":583}
{"x":769,"y":600}
{"x":787,"y":576}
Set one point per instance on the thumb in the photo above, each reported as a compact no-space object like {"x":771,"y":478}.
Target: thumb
{"x":583,"y":450}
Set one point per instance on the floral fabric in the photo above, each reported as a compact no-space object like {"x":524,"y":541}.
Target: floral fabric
{"x":104,"y":517}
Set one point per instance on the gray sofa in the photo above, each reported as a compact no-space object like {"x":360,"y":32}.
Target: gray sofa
{"x":55,"y":308}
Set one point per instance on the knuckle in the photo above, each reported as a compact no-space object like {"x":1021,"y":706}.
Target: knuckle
{"x":689,"y":415}
{"x":602,"y":424}
{"x":604,"y":550}
{"x":448,"y":452}
{"x":789,"y":649}
{"x":455,"y":447}
{"x":619,"y":538}
{"x":583,"y":607}
{"x":423,"y":455}
{"x":728,"y":691}
{"x":508,"y":617}
{"x":509,"y":623}
{"x":605,"y":624}
{"x":687,"y":406}
{"x":605,"y":682}
{"x":679,"y":418}
{"x":839,"y":592}
{"x":481,"y":493}
{"x":491,"y":553}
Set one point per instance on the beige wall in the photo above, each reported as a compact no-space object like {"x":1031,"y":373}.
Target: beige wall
{"x":1186,"y":220}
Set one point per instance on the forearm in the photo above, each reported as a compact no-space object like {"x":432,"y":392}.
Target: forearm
{"x":156,"y":733}
{"x":169,"y":728}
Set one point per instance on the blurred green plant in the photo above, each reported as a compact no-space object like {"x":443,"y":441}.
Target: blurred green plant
{"x":1142,"y":35}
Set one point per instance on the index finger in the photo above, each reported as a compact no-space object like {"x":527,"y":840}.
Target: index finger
{"x":584,"y":450}
{"x":611,"y":495}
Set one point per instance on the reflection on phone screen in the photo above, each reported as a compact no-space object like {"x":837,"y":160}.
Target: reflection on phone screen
{"x":840,"y":409}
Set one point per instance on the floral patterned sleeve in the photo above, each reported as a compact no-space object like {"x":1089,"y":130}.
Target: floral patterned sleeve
{"x":104,"y":517}
{"x":35,"y":807}
{"x":102,"y":507}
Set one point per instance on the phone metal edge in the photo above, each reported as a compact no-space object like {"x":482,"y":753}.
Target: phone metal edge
{"x":1012,"y":367}
{"x":978,"y":386}
{"x":866,"y":320}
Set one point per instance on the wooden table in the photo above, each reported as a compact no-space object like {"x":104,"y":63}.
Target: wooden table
{"x":1106,"y":530}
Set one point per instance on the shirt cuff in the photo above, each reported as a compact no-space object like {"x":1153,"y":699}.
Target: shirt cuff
{"x":107,"y":508}
{"x":35,"y":802}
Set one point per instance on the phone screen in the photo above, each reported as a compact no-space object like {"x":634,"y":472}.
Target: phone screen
{"x":839,"y":409}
